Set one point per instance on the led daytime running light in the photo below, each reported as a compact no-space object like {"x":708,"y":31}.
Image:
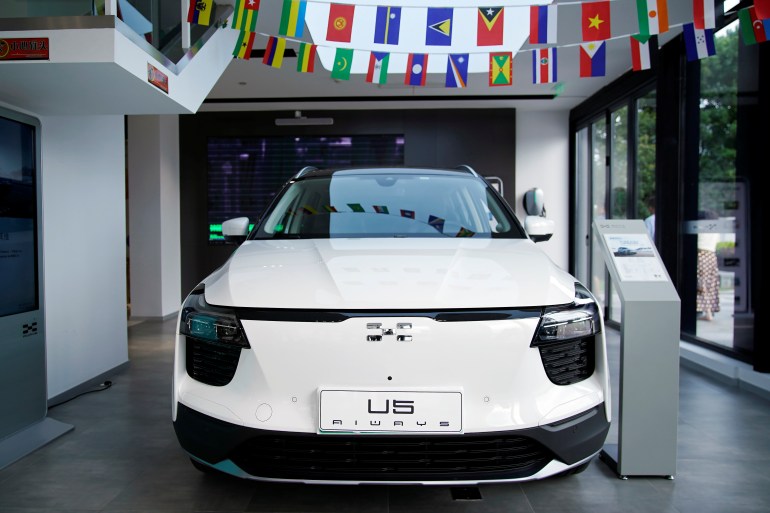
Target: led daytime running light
{"x":210,"y":323}
{"x":565,"y":325}
{"x":575,"y":321}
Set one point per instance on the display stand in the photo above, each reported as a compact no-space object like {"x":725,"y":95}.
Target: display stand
{"x":24,"y":424}
{"x":649,"y":352}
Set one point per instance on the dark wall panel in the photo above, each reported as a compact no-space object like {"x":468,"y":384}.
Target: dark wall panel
{"x":482,"y":138}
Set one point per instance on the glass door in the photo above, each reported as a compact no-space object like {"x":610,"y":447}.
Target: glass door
{"x":615,"y":179}
{"x":618,"y":187}
{"x":598,"y":202}
{"x":719,"y":255}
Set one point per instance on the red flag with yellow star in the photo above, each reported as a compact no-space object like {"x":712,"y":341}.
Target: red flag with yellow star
{"x":596,"y":21}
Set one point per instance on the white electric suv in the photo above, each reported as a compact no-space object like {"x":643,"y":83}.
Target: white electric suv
{"x":390,"y":326}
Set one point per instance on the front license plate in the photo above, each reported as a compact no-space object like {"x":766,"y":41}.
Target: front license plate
{"x":390,"y":411}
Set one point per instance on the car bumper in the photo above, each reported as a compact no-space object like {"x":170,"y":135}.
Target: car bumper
{"x":501,"y":456}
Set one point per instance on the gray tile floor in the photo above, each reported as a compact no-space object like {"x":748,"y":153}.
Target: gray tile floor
{"x":123,"y":457}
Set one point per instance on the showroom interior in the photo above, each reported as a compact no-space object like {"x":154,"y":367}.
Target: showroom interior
{"x":127,"y":128}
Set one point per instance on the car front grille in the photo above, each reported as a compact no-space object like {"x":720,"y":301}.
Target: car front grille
{"x":212,"y":364}
{"x":568,"y":362}
{"x":391,"y":458}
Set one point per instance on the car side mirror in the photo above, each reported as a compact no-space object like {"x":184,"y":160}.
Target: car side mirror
{"x":538,"y":228}
{"x":235,"y":230}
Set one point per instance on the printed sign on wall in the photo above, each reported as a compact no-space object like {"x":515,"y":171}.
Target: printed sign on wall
{"x":24,"y":49}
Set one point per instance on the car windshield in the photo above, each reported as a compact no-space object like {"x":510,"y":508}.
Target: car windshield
{"x":357,"y":205}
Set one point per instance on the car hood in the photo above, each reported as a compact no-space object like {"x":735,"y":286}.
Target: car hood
{"x":389,"y":273}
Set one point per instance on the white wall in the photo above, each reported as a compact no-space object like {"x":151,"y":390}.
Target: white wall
{"x":84,"y":247}
{"x":154,"y":220}
{"x":542,"y":160}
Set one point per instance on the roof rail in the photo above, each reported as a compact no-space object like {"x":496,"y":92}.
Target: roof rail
{"x":468,"y":168}
{"x":304,"y":170}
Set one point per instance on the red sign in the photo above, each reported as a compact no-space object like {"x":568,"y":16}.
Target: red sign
{"x":24,"y":49}
{"x":157,"y":78}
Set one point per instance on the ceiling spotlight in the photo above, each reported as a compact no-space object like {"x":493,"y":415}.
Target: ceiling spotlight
{"x":300,"y":120}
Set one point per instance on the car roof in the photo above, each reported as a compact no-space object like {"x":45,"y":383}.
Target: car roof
{"x":312,"y":172}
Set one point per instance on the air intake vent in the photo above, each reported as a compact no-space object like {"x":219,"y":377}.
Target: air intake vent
{"x":212,"y":364}
{"x":391,"y":458}
{"x":568,"y":362}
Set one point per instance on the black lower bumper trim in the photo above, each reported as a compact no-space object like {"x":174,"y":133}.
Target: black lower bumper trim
{"x":308,"y":456}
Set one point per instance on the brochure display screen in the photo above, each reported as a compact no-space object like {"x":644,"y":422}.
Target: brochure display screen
{"x":18,"y":218}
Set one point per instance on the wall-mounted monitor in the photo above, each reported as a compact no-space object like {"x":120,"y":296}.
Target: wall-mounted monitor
{"x":244,"y":173}
{"x":18,"y":218}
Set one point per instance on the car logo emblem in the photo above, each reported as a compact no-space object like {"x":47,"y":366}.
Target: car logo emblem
{"x":376,"y":332}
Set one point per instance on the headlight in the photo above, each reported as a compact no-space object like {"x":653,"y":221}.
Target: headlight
{"x":577,"y":320}
{"x":209,"y":323}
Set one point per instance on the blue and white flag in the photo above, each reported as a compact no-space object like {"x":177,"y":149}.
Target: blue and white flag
{"x":457,"y":70}
{"x":387,"y":25}
{"x":699,"y":42}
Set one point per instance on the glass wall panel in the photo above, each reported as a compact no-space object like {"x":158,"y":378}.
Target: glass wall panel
{"x":618,"y":186}
{"x":582,"y":201}
{"x":35,"y":8}
{"x":599,"y":204}
{"x":619,"y":164}
{"x":722,"y":266}
{"x":645,"y":160}
{"x":157,"y":21}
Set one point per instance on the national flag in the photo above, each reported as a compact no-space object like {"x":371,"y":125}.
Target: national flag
{"x":409,"y":214}
{"x":416,"y":69}
{"x":245,"y":15}
{"x":753,"y":30}
{"x":489,"y":26}
{"x":762,"y":8}
{"x":387,"y":25}
{"x":437,"y":223}
{"x":306,"y":58}
{"x":596,"y":21}
{"x":698,"y":43}
{"x":542,"y":24}
{"x":544,"y":66}
{"x":356,"y":207}
{"x":439,"y":28}
{"x":343,"y":60}
{"x":340,"y":25}
{"x":703,"y":14}
{"x":381,"y":209}
{"x":593,"y":59}
{"x":465,"y":232}
{"x":500,"y":71}
{"x":653,"y":16}
{"x":640,"y":52}
{"x":274,"y":52}
{"x":200,"y":11}
{"x":292,"y":18}
{"x":378,"y":68}
{"x":457,"y":70}
{"x":244,"y":45}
